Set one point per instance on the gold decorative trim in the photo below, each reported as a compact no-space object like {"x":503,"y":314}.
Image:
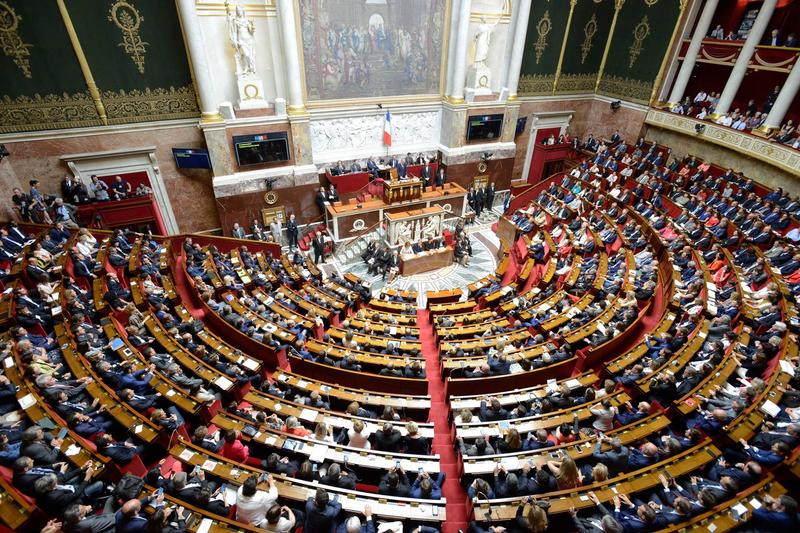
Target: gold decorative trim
{"x":536,"y":84}
{"x":151,"y":104}
{"x":127,"y":18}
{"x":94,"y":92}
{"x":617,"y":7}
{"x":543,"y":28}
{"x":640,"y":33}
{"x":589,"y":31}
{"x":576,"y":83}
{"x":11,"y":43}
{"x":651,"y":3}
{"x":572,"y":4}
{"x":48,"y":112}
{"x":626,"y":88}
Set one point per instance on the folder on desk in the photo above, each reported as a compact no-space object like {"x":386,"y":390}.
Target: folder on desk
{"x":116,"y":343}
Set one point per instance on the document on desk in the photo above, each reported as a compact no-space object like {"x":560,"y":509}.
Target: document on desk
{"x":770,"y":408}
{"x":309,"y":415}
{"x":318,"y":453}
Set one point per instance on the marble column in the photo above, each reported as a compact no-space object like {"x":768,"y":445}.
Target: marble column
{"x":460,"y":59}
{"x":518,"y":49}
{"x":291,"y":56}
{"x":512,"y":28}
{"x":789,"y":91}
{"x":700,"y":32}
{"x":451,"y":45}
{"x":746,"y":53}
{"x":201,"y":72}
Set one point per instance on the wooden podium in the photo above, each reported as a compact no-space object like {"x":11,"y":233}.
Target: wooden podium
{"x":400,"y":191}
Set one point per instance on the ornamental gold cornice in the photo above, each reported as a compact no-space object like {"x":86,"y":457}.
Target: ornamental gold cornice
{"x":576,"y":83}
{"x":777,"y":155}
{"x":47,"y":112}
{"x":536,"y":84}
{"x":150,"y":104}
{"x":626,"y":88}
{"x":11,"y":43}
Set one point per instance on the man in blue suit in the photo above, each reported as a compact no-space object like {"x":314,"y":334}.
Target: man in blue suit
{"x":321,"y":513}
{"x":777,"y":514}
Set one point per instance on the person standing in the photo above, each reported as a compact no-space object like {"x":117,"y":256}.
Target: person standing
{"x":238,"y":231}
{"x":426,"y":175}
{"x":291,"y":229}
{"x":319,"y":247}
{"x":488,"y":198}
{"x":440,"y":177}
{"x":275,"y":228}
{"x":321,"y":199}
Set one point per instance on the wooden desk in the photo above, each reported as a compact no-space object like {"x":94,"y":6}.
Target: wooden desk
{"x":401,"y":191}
{"x":425,"y":261}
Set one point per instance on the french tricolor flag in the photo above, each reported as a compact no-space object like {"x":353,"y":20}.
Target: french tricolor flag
{"x":387,"y":129}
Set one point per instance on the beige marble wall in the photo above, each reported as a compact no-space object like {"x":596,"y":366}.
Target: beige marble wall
{"x":189,"y":191}
{"x":757,"y":170}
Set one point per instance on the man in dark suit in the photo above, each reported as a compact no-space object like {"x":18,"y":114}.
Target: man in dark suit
{"x":488,"y":196}
{"x":339,"y":169}
{"x":292,"y":231}
{"x":355,"y":167}
{"x":393,"y":162}
{"x":319,"y":247}
{"x":402,"y":169}
{"x":129,"y":518}
{"x":372,"y":167}
{"x":320,"y":199}
{"x":427,"y":172}
{"x":79,"y":519}
{"x":332,"y":194}
{"x":321,"y":513}
{"x":440,"y":177}
{"x":57,"y":497}
{"x":478,"y":202}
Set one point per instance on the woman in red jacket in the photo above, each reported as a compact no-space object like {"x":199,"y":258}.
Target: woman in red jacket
{"x":233,"y":448}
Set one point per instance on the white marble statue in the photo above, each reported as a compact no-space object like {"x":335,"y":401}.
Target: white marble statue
{"x":431,"y":228}
{"x":241,"y":31}
{"x":402,"y":232}
{"x":483,"y":38}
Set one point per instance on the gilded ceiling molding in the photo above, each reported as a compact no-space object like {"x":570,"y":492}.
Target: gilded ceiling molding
{"x":651,"y":3}
{"x":640,"y":33}
{"x":151,"y":104}
{"x":536,"y":84}
{"x":127,"y":18}
{"x":589,"y":31}
{"x":48,"y":112}
{"x":626,"y":88}
{"x":576,"y":83}
{"x":543,"y":28}
{"x":11,"y":43}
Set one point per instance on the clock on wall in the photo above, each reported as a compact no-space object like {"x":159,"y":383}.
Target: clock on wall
{"x":271,"y":198}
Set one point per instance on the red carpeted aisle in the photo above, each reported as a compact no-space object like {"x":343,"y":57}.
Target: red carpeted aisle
{"x":443,"y":437}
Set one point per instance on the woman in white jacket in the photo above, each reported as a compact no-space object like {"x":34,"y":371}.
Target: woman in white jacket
{"x":359,"y":435}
